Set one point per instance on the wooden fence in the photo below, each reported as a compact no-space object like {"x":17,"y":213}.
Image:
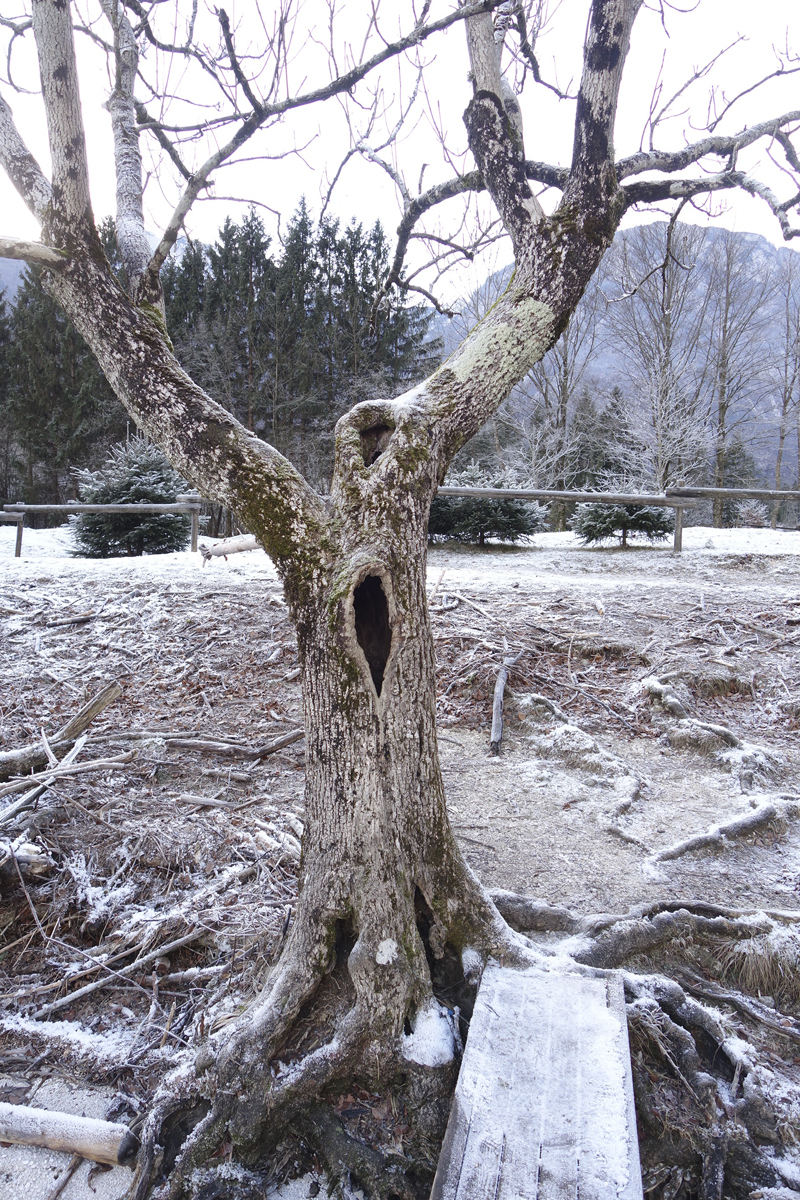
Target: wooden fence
{"x":675,"y":498}
{"x":679,"y":499}
{"x":190,"y":505}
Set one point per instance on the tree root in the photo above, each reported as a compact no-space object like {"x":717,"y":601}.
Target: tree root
{"x":786,"y":1027}
{"x":375,"y":1173}
{"x":703,"y":1113}
{"x":764,"y":814}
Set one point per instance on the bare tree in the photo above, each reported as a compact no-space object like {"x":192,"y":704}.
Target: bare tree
{"x":785,"y":370}
{"x":382,"y":877}
{"x":659,"y":316}
{"x":736,"y":346}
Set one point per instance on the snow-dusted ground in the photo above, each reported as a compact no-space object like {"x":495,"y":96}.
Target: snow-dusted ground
{"x":539,"y":818}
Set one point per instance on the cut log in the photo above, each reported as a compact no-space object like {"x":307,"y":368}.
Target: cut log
{"x":101,"y":1141}
{"x":26,"y":758}
{"x":544,"y":1101}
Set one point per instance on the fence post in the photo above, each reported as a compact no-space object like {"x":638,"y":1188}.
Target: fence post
{"x":195,"y":526}
{"x":18,"y":544}
{"x":678,"y":543}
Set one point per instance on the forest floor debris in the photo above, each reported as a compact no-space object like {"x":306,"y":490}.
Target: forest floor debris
{"x":168,"y":864}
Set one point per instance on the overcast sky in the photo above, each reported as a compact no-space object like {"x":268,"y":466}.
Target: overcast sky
{"x":688,"y":39}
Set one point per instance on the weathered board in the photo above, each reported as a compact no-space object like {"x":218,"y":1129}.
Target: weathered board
{"x":543,"y":1108}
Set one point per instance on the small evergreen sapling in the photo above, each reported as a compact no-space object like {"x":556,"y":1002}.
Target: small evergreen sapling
{"x":135,"y":472}
{"x":468,"y":519}
{"x":601,"y":522}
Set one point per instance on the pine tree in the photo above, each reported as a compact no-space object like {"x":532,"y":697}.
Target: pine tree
{"x":135,"y":471}
{"x":289,"y":343}
{"x":59,"y":407}
{"x":587,"y":436}
{"x":602,"y":522}
{"x":470,"y":519}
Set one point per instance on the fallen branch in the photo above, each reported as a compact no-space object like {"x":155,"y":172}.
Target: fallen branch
{"x":27,"y":758}
{"x":31,"y":859}
{"x":11,"y":812}
{"x":551,"y":707}
{"x":78,"y":619}
{"x":66,"y":1175}
{"x":232,"y":748}
{"x":234,"y":545}
{"x":717,"y":835}
{"x":497,"y":705}
{"x":132,"y":968}
{"x":61,"y":771}
{"x":472,"y":604}
{"x":101,"y":1141}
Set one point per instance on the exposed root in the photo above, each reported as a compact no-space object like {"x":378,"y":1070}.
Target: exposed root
{"x":704,"y":1117}
{"x":375,"y":1173}
{"x":756,"y":1011}
{"x":766,"y":813}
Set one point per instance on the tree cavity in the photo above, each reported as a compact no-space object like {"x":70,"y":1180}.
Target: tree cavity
{"x":373,"y":632}
{"x":373,"y":443}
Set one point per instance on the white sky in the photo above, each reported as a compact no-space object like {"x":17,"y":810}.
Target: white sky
{"x":689,"y":41}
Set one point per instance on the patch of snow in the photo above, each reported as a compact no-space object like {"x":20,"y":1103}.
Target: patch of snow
{"x":100,"y":901}
{"x":29,"y":1172}
{"x":105,"y":1048}
{"x":431,"y":1042}
{"x":472,"y":963}
{"x":387,"y":952}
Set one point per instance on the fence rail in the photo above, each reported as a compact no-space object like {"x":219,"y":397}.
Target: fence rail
{"x":188,"y":505}
{"x":675,"y":498}
{"x":678,"y":499}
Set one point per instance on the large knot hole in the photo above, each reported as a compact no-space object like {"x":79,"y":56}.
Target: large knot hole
{"x":373,"y":632}
{"x":373,"y":443}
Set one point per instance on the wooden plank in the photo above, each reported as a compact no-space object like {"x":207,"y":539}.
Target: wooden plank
{"x":712,"y":493}
{"x":133,"y":509}
{"x":543,"y":1109}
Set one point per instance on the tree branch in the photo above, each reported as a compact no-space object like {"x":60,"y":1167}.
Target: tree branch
{"x":32,"y":252}
{"x":146,"y":122}
{"x":495,"y":136}
{"x":605,"y":52}
{"x":653,"y":191}
{"x":201,"y":438}
{"x":52,"y":27}
{"x":342,"y":83}
{"x":238,"y":73}
{"x":131,"y":237}
{"x":669,"y":161}
{"x":21,"y":167}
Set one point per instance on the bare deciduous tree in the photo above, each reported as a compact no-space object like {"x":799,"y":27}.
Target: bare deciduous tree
{"x":382,"y":877}
{"x":659,"y":316}
{"x":786,"y":370}
{"x":736,"y":349}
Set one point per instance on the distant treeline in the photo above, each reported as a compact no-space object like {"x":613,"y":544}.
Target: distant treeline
{"x":284,"y":337}
{"x":681,"y":364}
